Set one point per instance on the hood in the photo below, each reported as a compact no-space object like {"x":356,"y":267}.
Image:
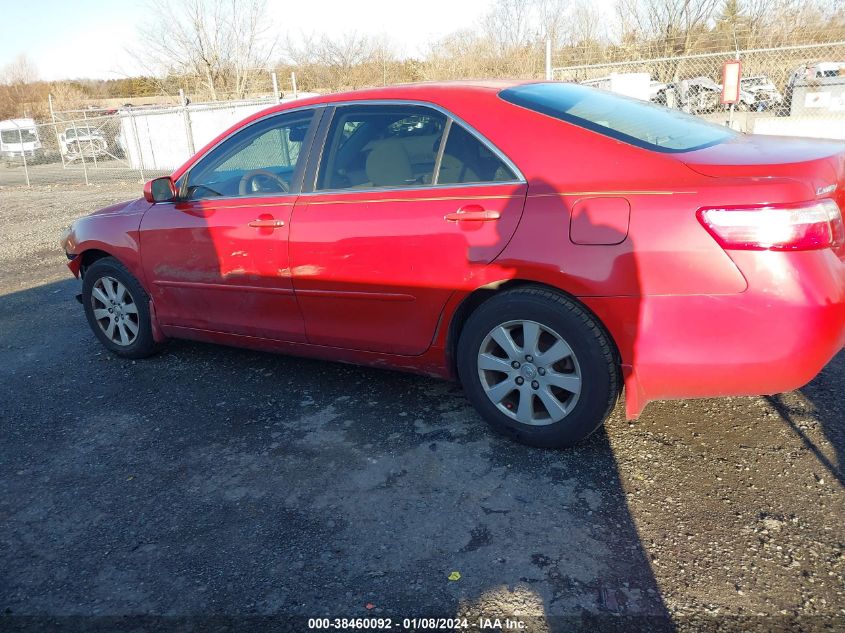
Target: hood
{"x":704,"y":82}
{"x":119,"y":207}
{"x":760,"y":88}
{"x":757,"y":155}
{"x":86,"y":137}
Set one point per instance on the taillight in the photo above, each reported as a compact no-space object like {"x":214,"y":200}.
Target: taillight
{"x":778,"y":227}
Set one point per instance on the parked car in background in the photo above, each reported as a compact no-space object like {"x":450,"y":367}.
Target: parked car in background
{"x":544,"y":243}
{"x":814,"y":89}
{"x":699,"y":95}
{"x":758,"y":93}
{"x":655,"y":88}
{"x":19,"y":139}
{"x":702,"y":95}
{"x":824,"y":70}
{"x":83,"y":141}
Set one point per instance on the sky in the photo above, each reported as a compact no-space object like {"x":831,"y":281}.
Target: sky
{"x":67,"y":39}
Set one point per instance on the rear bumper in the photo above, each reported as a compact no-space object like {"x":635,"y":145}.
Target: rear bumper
{"x":774,"y":337}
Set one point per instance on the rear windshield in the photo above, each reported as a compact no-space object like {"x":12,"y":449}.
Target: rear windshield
{"x":636,"y":122}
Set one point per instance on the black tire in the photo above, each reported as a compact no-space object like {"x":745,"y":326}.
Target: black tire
{"x":596,"y":359}
{"x":143,"y":344}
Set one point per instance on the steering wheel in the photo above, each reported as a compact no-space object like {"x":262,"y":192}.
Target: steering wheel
{"x":248,"y":178}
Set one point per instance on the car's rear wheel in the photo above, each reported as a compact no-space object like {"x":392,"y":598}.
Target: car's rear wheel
{"x":538,"y":367}
{"x":117,"y":308}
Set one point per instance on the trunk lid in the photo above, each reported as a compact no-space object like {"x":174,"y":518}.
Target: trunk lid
{"x":821,"y":162}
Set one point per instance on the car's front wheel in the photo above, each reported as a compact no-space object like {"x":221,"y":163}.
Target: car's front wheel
{"x":538,"y":367}
{"x":117,"y":308}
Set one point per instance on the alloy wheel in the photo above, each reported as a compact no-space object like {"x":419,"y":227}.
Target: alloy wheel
{"x":115,"y":311}
{"x":529,"y":372}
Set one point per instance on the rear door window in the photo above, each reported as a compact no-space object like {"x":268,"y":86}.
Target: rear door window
{"x":467,"y":160}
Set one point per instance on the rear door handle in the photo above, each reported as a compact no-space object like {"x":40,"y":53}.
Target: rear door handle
{"x":267,"y":224}
{"x":473,"y":213}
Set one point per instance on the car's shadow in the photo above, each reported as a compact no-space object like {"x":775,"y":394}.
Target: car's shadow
{"x":216,"y":481}
{"x":825,"y":415}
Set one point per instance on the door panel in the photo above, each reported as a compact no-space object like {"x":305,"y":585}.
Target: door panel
{"x":217,"y":259}
{"x":372,"y":270}
{"x":209,"y":269}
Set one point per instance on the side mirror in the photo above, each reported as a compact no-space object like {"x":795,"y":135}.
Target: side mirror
{"x":160,"y":190}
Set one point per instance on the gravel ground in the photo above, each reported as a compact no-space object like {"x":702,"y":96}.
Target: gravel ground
{"x":112,"y":172}
{"x":231,"y":485}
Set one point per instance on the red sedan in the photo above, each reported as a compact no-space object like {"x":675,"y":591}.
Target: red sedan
{"x":545,"y":243}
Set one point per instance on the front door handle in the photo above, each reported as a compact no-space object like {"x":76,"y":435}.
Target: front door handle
{"x":474,"y":213}
{"x":263,"y":223}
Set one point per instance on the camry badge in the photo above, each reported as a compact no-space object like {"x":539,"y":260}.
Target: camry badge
{"x":823,"y":190}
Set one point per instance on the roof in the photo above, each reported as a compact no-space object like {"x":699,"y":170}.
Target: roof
{"x":14,"y":124}
{"x":444,"y":93}
{"x":420,"y":91}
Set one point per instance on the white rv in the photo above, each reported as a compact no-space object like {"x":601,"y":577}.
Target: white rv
{"x":19,"y":137}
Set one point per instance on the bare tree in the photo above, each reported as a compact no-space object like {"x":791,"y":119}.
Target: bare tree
{"x":585,"y":37}
{"x":553,"y":17}
{"x":20,"y":71}
{"x":350,"y":61}
{"x":464,"y":54}
{"x":511,"y":23}
{"x":224,"y":45}
{"x":781,"y":22}
{"x":586,"y":24}
{"x":17,"y":89}
{"x":670,"y":27}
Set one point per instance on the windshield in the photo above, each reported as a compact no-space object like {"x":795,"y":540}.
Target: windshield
{"x":630,"y":120}
{"x":80,"y":131}
{"x":15,"y":136}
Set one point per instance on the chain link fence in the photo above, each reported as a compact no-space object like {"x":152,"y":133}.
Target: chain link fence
{"x":791,"y":90}
{"x":129,"y":144}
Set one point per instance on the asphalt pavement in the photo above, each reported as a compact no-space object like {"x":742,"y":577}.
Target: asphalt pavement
{"x":215,"y":487}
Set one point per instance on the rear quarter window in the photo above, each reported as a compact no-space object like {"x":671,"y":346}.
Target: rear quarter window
{"x":629,"y":120}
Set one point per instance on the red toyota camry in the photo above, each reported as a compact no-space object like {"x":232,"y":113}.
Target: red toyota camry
{"x":544,"y":243}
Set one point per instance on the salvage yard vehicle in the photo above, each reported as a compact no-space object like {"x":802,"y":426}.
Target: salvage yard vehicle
{"x":699,"y":95}
{"x":19,"y":139}
{"x":544,"y":243}
{"x":823,"y":70}
{"x":80,"y":142}
{"x":815,"y":89}
{"x":702,"y":95}
{"x":759,"y":93}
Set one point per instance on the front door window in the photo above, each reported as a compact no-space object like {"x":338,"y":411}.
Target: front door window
{"x":261,"y":160}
